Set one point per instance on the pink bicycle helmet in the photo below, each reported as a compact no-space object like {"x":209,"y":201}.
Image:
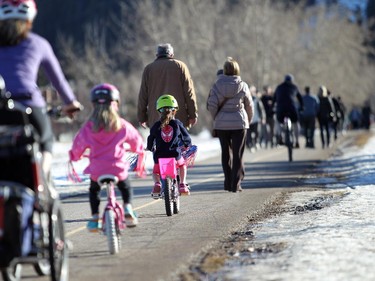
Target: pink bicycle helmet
{"x":104,"y":93}
{"x":17,"y":9}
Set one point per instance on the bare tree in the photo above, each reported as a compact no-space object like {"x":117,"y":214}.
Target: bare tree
{"x":315,"y":43}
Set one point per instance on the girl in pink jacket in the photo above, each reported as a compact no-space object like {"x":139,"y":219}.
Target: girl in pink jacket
{"x":104,"y":135}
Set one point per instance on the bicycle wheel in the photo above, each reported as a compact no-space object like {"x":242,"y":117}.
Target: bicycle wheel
{"x":58,"y":247}
{"x":289,"y":142}
{"x":176,"y":198}
{"x":12,"y":273}
{"x":110,"y":231}
{"x":43,"y":267}
{"x":168,"y":199}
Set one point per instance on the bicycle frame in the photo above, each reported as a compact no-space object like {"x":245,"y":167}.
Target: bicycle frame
{"x":170,"y":182}
{"x":113,"y":215}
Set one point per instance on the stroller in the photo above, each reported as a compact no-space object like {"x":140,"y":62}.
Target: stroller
{"x":31,"y":222}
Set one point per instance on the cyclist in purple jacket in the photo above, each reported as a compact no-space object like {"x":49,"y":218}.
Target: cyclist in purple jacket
{"x":22,"y":53}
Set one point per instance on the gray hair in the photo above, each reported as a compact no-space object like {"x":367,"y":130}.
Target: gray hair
{"x":164,"y":50}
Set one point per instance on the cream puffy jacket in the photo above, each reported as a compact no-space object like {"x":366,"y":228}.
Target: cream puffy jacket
{"x":230,"y":103}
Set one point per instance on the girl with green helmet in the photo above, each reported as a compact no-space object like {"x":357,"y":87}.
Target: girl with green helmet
{"x":165,"y":140}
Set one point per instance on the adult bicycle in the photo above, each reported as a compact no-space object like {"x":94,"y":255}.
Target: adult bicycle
{"x":31,"y":221}
{"x":287,"y":129}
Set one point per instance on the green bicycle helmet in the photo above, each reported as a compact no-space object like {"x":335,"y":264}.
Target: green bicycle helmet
{"x":166,"y":101}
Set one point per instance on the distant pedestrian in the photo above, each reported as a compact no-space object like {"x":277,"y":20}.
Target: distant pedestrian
{"x":343,"y":118}
{"x":324,"y":116}
{"x":355,"y":118}
{"x":366,"y":115}
{"x":336,"y":118}
{"x":267,"y":99}
{"x":259,"y":118}
{"x":167,"y":75}
{"x":308,"y":116}
{"x":231,"y":107}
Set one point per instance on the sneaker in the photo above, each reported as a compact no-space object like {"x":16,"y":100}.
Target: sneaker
{"x":94,"y":225}
{"x":156,"y":191}
{"x":184,"y":189}
{"x":131,"y":219}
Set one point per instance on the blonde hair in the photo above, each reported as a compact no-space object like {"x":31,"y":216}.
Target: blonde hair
{"x":166,"y":117}
{"x":323,"y":91}
{"x":231,"y":67}
{"x":106,"y":117}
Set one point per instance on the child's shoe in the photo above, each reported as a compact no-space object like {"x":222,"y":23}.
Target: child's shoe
{"x":131,"y":219}
{"x":95,"y":224}
{"x":156,"y":191}
{"x":184,"y":189}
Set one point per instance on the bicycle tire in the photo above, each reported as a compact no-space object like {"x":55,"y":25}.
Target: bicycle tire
{"x":111,"y":232}
{"x":42,"y":267}
{"x":289,"y":142}
{"x":12,"y":274}
{"x":167,"y":187}
{"x":176,"y":198}
{"x":58,"y":247}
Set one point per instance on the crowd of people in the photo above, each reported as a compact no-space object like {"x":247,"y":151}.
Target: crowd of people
{"x":322,"y":113}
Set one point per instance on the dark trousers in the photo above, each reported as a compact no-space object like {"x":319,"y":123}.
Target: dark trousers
{"x":308,"y":124}
{"x":324,"y":133}
{"x":94,"y":194}
{"x":42,"y":123}
{"x":252,"y":137}
{"x":232,"y":149}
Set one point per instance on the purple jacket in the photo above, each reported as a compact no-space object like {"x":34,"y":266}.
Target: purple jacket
{"x":107,"y":153}
{"x":19,"y":66}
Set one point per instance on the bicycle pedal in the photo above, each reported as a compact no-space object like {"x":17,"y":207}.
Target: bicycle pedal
{"x":156,"y":196}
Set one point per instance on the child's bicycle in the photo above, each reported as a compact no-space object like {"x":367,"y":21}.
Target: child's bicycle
{"x":31,"y":221}
{"x":170,"y":180}
{"x":113,"y":223}
{"x":113,"y":215}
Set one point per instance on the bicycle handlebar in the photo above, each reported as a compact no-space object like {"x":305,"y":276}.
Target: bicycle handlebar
{"x":58,"y":112}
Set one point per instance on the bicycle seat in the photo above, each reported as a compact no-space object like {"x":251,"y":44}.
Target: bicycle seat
{"x":107,"y":179}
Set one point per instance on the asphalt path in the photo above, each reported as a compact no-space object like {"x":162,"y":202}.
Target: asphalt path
{"x":160,"y":246}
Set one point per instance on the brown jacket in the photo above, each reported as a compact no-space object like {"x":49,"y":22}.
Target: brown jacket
{"x":230,"y":103}
{"x":166,"y":76}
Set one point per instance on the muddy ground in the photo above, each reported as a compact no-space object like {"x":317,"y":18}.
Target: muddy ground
{"x":237,"y":243}
{"x":241,"y":248}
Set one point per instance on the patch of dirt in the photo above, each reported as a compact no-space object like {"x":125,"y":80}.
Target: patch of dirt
{"x":240,"y":247}
{"x":319,"y":202}
{"x":237,"y":244}
{"x":362,"y":139}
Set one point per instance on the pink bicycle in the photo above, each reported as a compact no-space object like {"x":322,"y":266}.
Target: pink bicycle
{"x":170,"y":180}
{"x":113,"y":215}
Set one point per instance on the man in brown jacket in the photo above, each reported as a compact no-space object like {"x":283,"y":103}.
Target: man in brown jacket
{"x":167,"y":75}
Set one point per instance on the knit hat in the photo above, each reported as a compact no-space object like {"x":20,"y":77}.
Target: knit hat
{"x":164,"y":50}
{"x":289,"y":78}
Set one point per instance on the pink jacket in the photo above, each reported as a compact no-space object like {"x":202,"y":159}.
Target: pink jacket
{"x":107,"y":153}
